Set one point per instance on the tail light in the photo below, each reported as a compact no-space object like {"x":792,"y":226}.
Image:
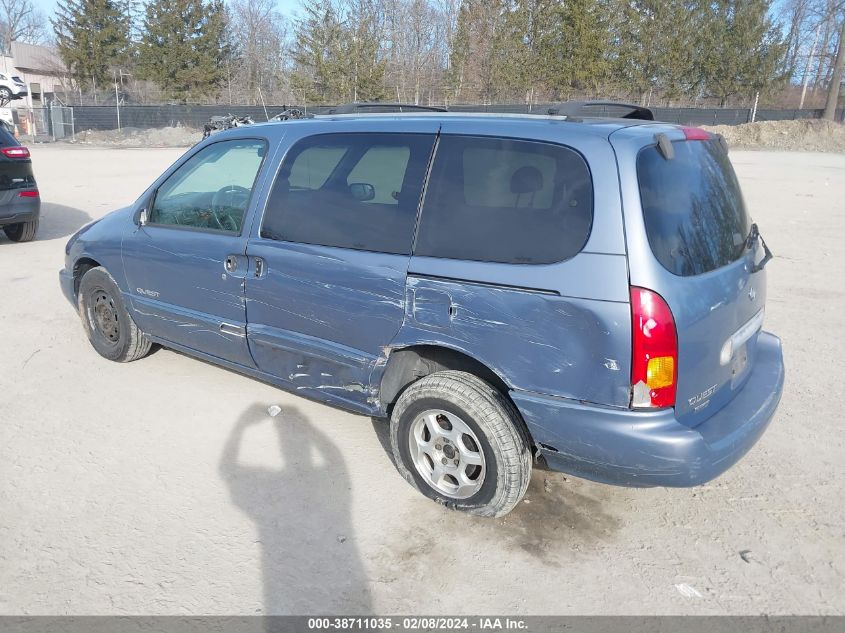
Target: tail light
{"x":28,"y":194}
{"x":654,"y":363}
{"x":696,"y":134}
{"x":15,"y":151}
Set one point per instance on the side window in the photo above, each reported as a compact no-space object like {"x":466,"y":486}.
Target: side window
{"x":313,"y":167}
{"x":358,"y":191}
{"x":211,"y":190}
{"x":384,"y":168}
{"x":506,"y":201}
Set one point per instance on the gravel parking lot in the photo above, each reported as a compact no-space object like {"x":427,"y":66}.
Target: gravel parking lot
{"x":163,"y":487}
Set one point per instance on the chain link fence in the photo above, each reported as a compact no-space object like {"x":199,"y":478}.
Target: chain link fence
{"x":58,"y":122}
{"x":49,"y":123}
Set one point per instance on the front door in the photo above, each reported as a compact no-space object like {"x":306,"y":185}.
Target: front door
{"x":186,"y":265}
{"x":327,"y":291}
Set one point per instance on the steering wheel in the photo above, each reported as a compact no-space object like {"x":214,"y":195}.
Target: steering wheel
{"x":224,"y":200}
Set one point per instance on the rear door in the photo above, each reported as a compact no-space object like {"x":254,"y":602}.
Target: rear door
{"x":688,"y":240}
{"x":326,"y":289}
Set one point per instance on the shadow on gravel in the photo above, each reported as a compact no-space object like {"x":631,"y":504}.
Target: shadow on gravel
{"x":559,"y":516}
{"x":58,"y":221}
{"x":302,"y":516}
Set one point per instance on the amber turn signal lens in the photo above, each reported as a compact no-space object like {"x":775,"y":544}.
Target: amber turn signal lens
{"x":660,"y":372}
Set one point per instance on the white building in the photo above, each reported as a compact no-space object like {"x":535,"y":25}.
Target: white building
{"x":41,"y":69}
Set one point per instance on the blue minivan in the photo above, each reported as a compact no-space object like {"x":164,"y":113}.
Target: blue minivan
{"x":505,"y":289}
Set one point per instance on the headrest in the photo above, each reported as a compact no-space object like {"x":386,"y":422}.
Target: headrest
{"x":526,"y":179}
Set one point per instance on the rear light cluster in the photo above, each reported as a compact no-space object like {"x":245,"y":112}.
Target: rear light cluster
{"x":15,"y":152}
{"x":696,"y":134}
{"x":654,"y":363}
{"x":28,"y":194}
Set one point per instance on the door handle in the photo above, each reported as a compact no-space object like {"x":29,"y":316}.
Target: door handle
{"x":259,"y":267}
{"x":231,"y":263}
{"x":228,"y":328}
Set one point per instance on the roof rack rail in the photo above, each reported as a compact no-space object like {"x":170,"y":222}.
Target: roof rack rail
{"x":582,"y":108}
{"x":380,"y":106}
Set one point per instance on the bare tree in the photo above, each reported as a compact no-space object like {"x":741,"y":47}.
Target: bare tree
{"x":836,"y":78}
{"x":261,"y":32}
{"x":20,"y":21}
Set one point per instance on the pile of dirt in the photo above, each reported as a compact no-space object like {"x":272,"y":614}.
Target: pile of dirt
{"x":805,"y":135}
{"x":135,"y":137}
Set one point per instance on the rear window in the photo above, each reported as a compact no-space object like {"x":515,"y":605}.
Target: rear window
{"x":507,"y":201}
{"x":694,"y":214}
{"x":6,"y":138}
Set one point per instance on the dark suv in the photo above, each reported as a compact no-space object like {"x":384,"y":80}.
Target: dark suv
{"x":588,"y":292}
{"x":20,"y":203}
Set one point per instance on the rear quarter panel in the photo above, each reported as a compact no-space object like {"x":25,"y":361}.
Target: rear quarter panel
{"x":561,"y":329}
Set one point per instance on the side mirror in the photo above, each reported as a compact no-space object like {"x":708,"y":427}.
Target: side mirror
{"x":142,"y":217}
{"x":362,"y":191}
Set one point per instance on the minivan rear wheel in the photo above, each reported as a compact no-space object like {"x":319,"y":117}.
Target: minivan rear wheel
{"x":460,"y":442}
{"x":21,"y":231}
{"x":109,"y":327}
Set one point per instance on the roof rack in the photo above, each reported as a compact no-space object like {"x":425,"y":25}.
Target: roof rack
{"x":606,"y":108}
{"x":379,"y":106}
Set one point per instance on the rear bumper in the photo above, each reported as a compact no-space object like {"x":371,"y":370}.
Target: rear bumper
{"x":19,"y":210}
{"x":645,"y":448}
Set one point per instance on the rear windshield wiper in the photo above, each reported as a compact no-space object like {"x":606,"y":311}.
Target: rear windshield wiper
{"x":753,"y":237}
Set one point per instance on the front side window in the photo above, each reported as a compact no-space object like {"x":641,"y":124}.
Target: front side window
{"x":358,"y":191}
{"x":211,"y":190}
{"x":507,"y":201}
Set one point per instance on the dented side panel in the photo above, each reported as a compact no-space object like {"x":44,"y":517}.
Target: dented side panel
{"x":319,"y":316}
{"x":535,"y":341}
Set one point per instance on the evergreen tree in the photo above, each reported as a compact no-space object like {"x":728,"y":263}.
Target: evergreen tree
{"x":361,"y":49}
{"x":185,"y":47}
{"x":739,"y":49}
{"x":657,"y":42}
{"x":318,"y":74}
{"x":520,"y":66}
{"x":474,"y":56}
{"x":92,"y":38}
{"x":338,"y":57}
{"x":576,"y":43}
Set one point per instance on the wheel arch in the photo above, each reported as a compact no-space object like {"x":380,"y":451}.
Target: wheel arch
{"x":80,"y":267}
{"x":408,"y":364}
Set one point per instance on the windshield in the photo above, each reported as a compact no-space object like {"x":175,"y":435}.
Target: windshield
{"x":694,"y":214}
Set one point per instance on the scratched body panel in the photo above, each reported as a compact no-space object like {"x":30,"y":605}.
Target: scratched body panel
{"x":539,"y":342}
{"x":182,"y":292}
{"x":320,"y":315}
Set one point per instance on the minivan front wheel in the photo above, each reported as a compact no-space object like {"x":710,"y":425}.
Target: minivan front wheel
{"x":459,"y":441}
{"x":109,"y":327}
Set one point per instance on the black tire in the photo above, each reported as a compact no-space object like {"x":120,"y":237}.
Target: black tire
{"x":494,"y":421}
{"x":5,"y":94}
{"x":107,"y":323}
{"x":22,"y":231}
